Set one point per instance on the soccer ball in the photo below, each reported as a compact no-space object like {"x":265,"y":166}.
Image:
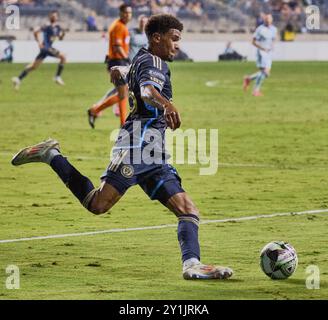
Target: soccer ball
{"x":278,"y":260}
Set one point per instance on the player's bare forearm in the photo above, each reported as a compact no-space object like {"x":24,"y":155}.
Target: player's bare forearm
{"x":36,"y":36}
{"x":62,"y":35}
{"x":152,"y":97}
{"x":258,"y":46}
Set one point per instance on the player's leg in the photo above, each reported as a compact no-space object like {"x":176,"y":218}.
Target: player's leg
{"x":264,"y":64}
{"x":109,"y":100}
{"x":262,"y":75}
{"x":96,"y":200}
{"x":188,"y":216}
{"x":117,"y":95}
{"x":249,"y":78}
{"x":164,"y":185}
{"x":112,"y":98}
{"x":123,"y":94}
{"x":254,"y":76}
{"x":104,"y":198}
{"x":30,"y":67}
{"x":60,"y":68}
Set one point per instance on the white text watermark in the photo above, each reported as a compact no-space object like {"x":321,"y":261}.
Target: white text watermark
{"x":13,"y":278}
{"x":312,"y":17}
{"x":143,"y":145}
{"x":11,"y":17}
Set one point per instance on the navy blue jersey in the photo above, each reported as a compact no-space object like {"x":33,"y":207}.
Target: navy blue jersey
{"x":147,"y":69}
{"x":50,"y":33}
{"x":145,"y":126}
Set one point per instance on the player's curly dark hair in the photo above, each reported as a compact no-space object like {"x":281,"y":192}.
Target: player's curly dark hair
{"x":123,"y":6}
{"x":162,"y":23}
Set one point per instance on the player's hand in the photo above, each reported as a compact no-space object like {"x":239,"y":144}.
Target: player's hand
{"x":115,"y":75}
{"x":41,"y":46}
{"x":172,"y":117}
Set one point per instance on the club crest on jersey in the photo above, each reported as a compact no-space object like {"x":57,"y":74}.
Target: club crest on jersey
{"x":127,"y":171}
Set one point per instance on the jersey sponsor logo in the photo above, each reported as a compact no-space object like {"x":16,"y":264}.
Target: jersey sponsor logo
{"x":160,"y":82}
{"x":127,"y":171}
{"x":156,"y":74}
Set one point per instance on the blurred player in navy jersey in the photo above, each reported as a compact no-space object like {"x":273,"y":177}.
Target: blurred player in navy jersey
{"x":50,"y":32}
{"x":263,"y":39}
{"x":151,"y":112}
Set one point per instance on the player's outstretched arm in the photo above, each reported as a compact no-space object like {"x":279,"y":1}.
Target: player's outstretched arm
{"x":36,"y":33}
{"x":152,"y":97}
{"x":62,"y":34}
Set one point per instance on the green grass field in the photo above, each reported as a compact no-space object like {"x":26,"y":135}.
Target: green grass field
{"x":273,"y":151}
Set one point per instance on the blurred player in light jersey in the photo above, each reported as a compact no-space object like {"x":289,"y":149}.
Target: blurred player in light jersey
{"x":118,"y":55}
{"x":51,"y":32}
{"x":263,"y":39}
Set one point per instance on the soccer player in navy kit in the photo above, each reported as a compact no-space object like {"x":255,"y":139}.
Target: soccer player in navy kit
{"x":50,"y":32}
{"x":152,"y":111}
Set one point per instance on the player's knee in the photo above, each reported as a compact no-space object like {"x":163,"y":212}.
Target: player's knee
{"x":193,"y":210}
{"x":187,"y":207}
{"x":267,"y":73}
{"x":31,"y":67}
{"x":62,"y":59}
{"x":97,"y":207}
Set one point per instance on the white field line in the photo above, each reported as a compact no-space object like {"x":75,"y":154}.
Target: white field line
{"x":80,"y":234}
{"x":221,"y":164}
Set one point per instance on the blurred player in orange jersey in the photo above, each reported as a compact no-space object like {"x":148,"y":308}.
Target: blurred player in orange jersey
{"x":118,"y":55}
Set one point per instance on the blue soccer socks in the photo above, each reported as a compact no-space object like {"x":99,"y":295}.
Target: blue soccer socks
{"x":80,"y":185}
{"x":188,"y":236}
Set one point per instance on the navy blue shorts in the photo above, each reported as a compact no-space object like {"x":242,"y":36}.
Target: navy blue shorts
{"x":160,"y":183}
{"x":50,"y":52}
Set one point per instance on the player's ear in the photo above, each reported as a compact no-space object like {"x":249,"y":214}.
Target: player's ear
{"x":157,"y":37}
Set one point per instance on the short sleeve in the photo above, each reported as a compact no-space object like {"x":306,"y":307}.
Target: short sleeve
{"x":151,"y":72}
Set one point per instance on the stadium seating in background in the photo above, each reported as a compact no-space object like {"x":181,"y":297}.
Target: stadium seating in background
{"x":221,"y":16}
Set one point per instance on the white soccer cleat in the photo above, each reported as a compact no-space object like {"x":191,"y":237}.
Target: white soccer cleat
{"x":59,"y":81}
{"x":206,"y":272}
{"x":16,"y":82}
{"x":36,"y":153}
